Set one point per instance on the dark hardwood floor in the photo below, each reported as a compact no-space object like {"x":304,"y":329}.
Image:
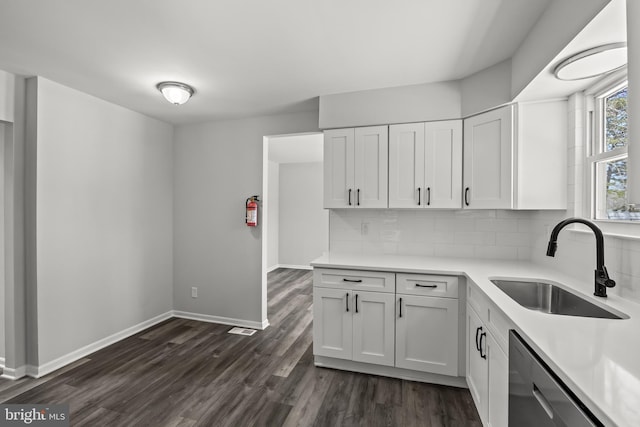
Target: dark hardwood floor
{"x":186,"y":373}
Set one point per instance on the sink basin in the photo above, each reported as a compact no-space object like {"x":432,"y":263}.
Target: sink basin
{"x":549,"y":298}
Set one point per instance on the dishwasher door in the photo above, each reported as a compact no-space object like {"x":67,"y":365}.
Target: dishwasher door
{"x":536,"y":398}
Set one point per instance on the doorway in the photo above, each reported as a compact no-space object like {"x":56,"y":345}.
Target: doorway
{"x":295,"y":225}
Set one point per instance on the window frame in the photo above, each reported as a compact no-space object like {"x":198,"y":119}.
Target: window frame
{"x":595,"y":141}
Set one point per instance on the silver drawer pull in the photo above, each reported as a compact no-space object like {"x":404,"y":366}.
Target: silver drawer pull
{"x":542,"y":400}
{"x":352,"y":280}
{"x":426,"y":286}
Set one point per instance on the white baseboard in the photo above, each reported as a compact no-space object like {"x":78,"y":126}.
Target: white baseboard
{"x":1,"y":362}
{"x":223,"y":320}
{"x":291,"y":266}
{"x":44,"y":369}
{"x":14,"y":374}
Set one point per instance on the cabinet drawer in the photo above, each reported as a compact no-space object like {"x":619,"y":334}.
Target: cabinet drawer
{"x":377,"y":281}
{"x":428,"y":285}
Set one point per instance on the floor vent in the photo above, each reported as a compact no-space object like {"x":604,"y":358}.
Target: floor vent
{"x":242,"y":331}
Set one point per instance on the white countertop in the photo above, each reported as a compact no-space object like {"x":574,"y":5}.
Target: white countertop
{"x":598,"y":359}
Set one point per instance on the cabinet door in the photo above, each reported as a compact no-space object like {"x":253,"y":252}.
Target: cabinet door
{"x":498,"y":408}
{"x":371,"y":167}
{"x":477,"y":366}
{"x":339,"y":175}
{"x":443,"y":164}
{"x":332,"y":323}
{"x":427,"y":334}
{"x":373,"y":331}
{"x":488,"y":162}
{"x":406,"y":165}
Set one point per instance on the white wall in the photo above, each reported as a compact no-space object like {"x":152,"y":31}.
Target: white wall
{"x":487,"y":234}
{"x":273,"y":204}
{"x":415,"y":103}
{"x":2,"y":285}
{"x":486,"y":89}
{"x":304,"y":224}
{"x":217,"y":166}
{"x":7,"y":96}
{"x":103,"y":218}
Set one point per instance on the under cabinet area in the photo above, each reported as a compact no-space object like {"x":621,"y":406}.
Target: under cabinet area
{"x":409,"y":322}
{"x":356,"y":167}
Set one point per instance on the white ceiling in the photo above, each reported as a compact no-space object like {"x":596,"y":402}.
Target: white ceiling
{"x":609,"y":26}
{"x":302,"y":148}
{"x":253,"y":57}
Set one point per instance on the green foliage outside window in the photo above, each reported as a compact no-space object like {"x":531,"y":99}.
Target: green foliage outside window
{"x":615,"y":137}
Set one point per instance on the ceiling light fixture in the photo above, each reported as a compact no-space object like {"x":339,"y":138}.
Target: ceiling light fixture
{"x":592,"y":62}
{"x":175,"y":92}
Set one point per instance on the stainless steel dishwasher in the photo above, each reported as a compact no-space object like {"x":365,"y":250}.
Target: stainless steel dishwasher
{"x":537,"y":398}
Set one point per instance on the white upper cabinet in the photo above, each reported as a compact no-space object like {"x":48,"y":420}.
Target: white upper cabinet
{"x":339,"y":150}
{"x":356,"y":167}
{"x":515,"y":157}
{"x":443,"y":164}
{"x":425,"y":165}
{"x":488,"y":160}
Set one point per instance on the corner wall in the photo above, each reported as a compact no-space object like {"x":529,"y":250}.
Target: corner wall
{"x":103,"y":181}
{"x":217,"y":166}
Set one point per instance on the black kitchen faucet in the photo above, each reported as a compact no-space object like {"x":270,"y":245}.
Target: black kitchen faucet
{"x":602,"y":280}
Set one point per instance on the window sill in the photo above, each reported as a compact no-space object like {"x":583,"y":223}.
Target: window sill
{"x":628,"y":230}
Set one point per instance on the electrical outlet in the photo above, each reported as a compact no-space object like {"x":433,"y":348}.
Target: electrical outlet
{"x":194,"y":292}
{"x":364,"y":229}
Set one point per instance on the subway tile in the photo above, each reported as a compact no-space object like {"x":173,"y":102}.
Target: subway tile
{"x":496,"y":252}
{"x":454,"y":251}
{"x":513,"y":239}
{"x":474,"y":238}
{"x":497,"y":224}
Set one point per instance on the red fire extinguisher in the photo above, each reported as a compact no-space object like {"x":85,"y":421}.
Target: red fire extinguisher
{"x":251,"y":205}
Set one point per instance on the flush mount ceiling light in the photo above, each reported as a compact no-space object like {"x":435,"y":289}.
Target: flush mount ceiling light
{"x":175,"y":92}
{"x":593,"y":62}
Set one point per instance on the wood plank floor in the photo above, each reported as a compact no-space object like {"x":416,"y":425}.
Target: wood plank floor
{"x":185,"y":373}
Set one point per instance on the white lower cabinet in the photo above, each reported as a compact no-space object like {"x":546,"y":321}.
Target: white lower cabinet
{"x":373,"y":339}
{"x":427,"y":334}
{"x":416,"y":330}
{"x":354,"y":325}
{"x":332,"y":323}
{"x":487,"y":368}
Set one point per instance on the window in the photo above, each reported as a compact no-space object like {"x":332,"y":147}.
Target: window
{"x":607,"y":159}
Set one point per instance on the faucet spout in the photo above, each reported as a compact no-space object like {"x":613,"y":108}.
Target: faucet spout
{"x":602,"y":280}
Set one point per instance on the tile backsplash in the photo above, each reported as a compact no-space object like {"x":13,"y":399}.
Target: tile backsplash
{"x":490,"y":234}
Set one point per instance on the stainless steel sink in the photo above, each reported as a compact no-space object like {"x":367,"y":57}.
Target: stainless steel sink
{"x":549,"y":298}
